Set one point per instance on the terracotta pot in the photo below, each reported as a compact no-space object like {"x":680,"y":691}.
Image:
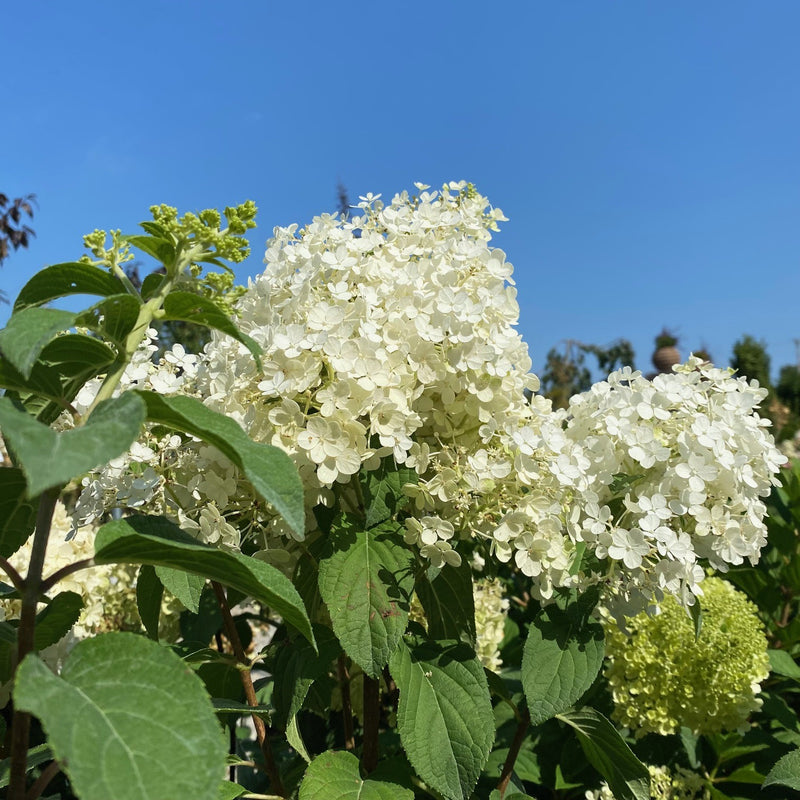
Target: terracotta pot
{"x":665,"y":357}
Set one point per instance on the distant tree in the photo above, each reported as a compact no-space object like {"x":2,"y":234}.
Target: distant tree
{"x":751,"y":360}
{"x":788,"y":388}
{"x":13,"y":232}
{"x":566,"y":373}
{"x":342,"y":200}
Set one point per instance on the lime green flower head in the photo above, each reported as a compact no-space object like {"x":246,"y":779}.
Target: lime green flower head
{"x":665,"y":784}
{"x":662,"y":678}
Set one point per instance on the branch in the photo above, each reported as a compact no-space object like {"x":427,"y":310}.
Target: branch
{"x":49,"y":772}
{"x":32,"y":587}
{"x":347,"y":707}
{"x":372,"y":711}
{"x":513,"y":752}
{"x":249,"y":690}
{"x":14,"y":576}
{"x":59,"y":575}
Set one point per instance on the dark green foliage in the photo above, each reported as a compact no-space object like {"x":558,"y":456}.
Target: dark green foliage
{"x":750,"y":359}
{"x":788,"y":388}
{"x":566,"y":373}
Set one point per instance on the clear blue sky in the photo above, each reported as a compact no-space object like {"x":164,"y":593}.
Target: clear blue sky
{"x":646,"y":153}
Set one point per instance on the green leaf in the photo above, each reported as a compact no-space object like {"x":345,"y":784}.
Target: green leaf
{"x":563,"y":654}
{"x":62,"y":280}
{"x":690,"y":741}
{"x":56,"y":619}
{"x":781,"y":663}
{"x":606,"y":751}
{"x":151,"y":284}
{"x":383,"y":490}
{"x":777,"y":710}
{"x":200,"y":310}
{"x":184,"y":585}
{"x":159,"y":248}
{"x":230,"y":791}
{"x":449,"y":604}
{"x":114,"y":317}
{"x":28,"y":331}
{"x":76,"y":358}
{"x":621,"y":481}
{"x":127,"y":720}
{"x":526,"y":765}
{"x":157,"y":541}
{"x":271,"y":472}
{"x":295,"y":740}
{"x":696,"y":613}
{"x":41,"y":380}
{"x":64,"y":365}
{"x":745,"y":774}
{"x":17,"y":513}
{"x":149,"y":591}
{"x":295,"y":667}
{"x":50,"y":458}
{"x":511,"y":794}
{"x":77,"y":354}
{"x":444,"y":715}
{"x":336,"y":776}
{"x":366,"y":580}
{"x":786,"y":771}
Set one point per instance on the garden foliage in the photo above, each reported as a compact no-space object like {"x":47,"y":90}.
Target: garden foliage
{"x":348,"y":523}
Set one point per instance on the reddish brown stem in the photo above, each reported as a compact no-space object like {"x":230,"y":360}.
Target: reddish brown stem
{"x":249,"y":690}
{"x":48,"y":773}
{"x":372,"y":711}
{"x":513,"y":752}
{"x":347,"y":706}
{"x":21,"y":721}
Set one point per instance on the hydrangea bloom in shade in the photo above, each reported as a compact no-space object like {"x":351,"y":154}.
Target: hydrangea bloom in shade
{"x":108,"y":591}
{"x":661,"y":678}
{"x":665,"y":784}
{"x":491,"y":610}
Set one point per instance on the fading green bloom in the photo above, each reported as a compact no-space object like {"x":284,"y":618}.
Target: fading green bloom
{"x":665,"y":785}
{"x":491,"y":609}
{"x":662,"y":678}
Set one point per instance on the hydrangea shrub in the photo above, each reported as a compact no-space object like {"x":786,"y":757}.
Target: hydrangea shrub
{"x":361,"y":429}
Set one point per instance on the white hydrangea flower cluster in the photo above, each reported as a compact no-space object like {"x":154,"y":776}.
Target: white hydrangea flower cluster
{"x":138,"y":479}
{"x":391,"y":334}
{"x":675,"y":470}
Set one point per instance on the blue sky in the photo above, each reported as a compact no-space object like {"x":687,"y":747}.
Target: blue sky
{"x":646,"y":153}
